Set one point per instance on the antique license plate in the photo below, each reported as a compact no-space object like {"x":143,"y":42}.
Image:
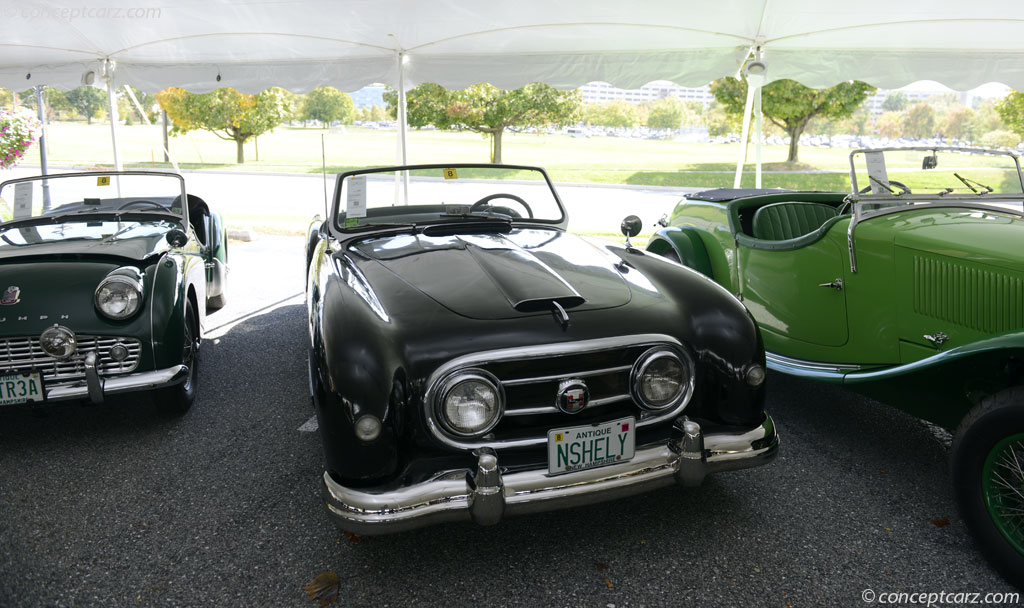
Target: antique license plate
{"x":585,"y":447}
{"x":19,"y":388}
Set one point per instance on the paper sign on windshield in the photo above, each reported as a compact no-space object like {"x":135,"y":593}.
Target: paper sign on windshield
{"x":22,"y":200}
{"x":355,"y":201}
{"x":877,"y":174}
{"x":103,"y":180}
{"x":451,"y":174}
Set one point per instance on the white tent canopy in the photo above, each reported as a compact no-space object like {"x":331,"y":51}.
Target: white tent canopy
{"x":252,"y":44}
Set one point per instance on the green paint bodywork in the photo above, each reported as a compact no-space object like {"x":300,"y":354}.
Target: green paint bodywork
{"x":920,"y":271}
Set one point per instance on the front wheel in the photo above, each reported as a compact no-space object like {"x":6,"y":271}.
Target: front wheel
{"x":176,"y":400}
{"x":988,"y":478}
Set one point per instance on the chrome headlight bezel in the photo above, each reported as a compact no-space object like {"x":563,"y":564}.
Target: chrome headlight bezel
{"x":453,"y":381}
{"x":124,"y":282}
{"x":67,"y":339}
{"x":643,"y":364}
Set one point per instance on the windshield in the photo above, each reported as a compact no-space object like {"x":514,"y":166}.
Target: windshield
{"x":436,"y":194}
{"x":40,"y":199}
{"x":886,"y":177}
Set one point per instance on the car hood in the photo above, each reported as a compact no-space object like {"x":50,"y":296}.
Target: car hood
{"x":975,"y":235}
{"x":497,"y":276}
{"x":134,"y":241}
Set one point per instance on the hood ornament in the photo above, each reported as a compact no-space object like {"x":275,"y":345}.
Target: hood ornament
{"x":573,"y":396}
{"x":11,"y":296}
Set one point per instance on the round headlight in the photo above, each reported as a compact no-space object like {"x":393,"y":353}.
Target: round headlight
{"x":58,"y":342}
{"x":471,"y":403}
{"x":119,"y":296}
{"x":662,"y":379}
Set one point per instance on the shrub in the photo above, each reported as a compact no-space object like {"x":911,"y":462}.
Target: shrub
{"x":18,"y":130}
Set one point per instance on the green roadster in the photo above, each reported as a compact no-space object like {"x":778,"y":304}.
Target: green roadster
{"x":910,"y":290}
{"x":105,"y":281}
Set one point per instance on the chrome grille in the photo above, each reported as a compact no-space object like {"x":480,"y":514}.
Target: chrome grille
{"x":26,"y":354}
{"x":530,"y":377}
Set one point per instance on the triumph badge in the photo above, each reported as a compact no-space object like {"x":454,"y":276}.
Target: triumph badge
{"x":573,"y":396}
{"x":11,"y":296}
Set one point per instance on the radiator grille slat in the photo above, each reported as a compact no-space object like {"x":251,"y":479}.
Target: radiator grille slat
{"x":982,"y":300}
{"x":26,"y":354}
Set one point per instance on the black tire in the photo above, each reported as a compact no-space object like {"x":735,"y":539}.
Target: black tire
{"x":176,"y":400}
{"x":989,"y":495}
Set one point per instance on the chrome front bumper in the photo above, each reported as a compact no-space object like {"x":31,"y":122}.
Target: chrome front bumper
{"x":486,"y":496}
{"x":96,"y":387}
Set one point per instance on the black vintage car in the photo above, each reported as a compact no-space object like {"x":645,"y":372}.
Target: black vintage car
{"x":469,"y":358}
{"x":106,"y":277}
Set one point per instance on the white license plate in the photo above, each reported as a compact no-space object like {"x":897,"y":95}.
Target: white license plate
{"x":594,"y":445}
{"x":19,"y":388}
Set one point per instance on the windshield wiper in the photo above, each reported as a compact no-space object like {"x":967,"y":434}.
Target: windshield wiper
{"x":372,"y":225}
{"x":969,"y":182}
{"x":903,"y":189}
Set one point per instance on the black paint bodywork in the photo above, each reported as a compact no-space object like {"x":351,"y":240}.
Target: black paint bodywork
{"x":388,"y":307}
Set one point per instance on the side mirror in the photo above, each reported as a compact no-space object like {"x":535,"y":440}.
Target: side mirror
{"x":930,"y":162}
{"x":177,"y":238}
{"x":631,"y":226}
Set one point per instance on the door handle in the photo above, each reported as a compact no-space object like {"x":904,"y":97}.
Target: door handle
{"x":836,"y":284}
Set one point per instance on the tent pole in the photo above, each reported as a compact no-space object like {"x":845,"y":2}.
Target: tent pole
{"x":744,"y":136}
{"x":403,"y":124}
{"x":42,"y":146}
{"x":112,"y":109}
{"x":757,"y":114}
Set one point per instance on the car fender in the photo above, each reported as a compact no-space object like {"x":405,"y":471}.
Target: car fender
{"x":687,"y":244}
{"x":175,"y":277}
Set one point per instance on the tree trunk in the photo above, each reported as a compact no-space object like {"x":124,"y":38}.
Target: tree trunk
{"x":496,"y":146}
{"x":241,"y":151}
{"x":794,"y":132}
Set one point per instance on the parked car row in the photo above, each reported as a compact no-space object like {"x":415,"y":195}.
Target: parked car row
{"x":470,"y":359}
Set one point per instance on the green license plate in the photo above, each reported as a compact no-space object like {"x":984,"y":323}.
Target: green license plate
{"x":19,"y":388}
{"x":593,"y":445}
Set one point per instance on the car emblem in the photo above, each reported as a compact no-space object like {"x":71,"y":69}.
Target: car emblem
{"x":573,"y":396}
{"x":11,"y":296}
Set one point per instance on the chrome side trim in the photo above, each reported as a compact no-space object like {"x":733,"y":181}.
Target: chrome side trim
{"x":486,"y":495}
{"x":522,"y":353}
{"x":121,"y":384}
{"x":788,"y":365}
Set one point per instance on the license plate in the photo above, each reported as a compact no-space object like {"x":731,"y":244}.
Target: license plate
{"x":19,"y":388}
{"x":585,"y":447}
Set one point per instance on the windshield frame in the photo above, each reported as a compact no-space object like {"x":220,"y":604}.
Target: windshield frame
{"x":341,"y":232}
{"x":51,"y":176}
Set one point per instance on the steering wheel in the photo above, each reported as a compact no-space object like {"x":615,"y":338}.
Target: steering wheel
{"x":893,"y":183}
{"x":141,"y":202}
{"x":480,"y":204}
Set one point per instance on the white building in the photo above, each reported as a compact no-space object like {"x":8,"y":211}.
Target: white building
{"x":597,"y":92}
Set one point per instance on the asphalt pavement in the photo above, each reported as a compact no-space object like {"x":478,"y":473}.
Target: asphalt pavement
{"x":115,"y":505}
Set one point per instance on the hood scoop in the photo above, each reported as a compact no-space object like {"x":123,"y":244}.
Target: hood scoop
{"x":528,"y":284}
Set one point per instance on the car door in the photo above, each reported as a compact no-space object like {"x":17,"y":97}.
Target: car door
{"x":796,"y":293}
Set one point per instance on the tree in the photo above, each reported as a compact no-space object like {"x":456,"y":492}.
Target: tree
{"x":377,"y":114}
{"x":486,"y":109}
{"x":86,"y":101}
{"x":326,"y":105}
{"x":895,"y":101}
{"x":1000,"y":139}
{"x":611,"y":114}
{"x":1011,"y":111}
{"x":919,"y":121}
{"x":719,"y":123}
{"x":889,"y":125}
{"x":666,"y":113}
{"x":959,"y":123}
{"x":790,"y":105}
{"x":6,"y":98}
{"x":229,"y":114}
{"x":987,"y":118}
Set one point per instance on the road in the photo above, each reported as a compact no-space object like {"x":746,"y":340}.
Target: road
{"x":115,"y":505}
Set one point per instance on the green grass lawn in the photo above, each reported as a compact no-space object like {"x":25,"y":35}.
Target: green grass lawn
{"x":606,"y":160}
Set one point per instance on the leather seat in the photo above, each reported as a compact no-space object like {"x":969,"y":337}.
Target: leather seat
{"x":783,"y":221}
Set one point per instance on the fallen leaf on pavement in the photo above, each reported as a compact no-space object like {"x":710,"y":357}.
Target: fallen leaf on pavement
{"x":941,"y":523}
{"x":323,"y":588}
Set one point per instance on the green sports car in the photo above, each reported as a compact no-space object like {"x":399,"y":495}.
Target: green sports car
{"x":910,"y":290}
{"x":105,"y":280}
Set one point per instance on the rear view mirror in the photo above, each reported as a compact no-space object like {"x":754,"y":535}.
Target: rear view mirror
{"x":631,"y":226}
{"x":930,"y":162}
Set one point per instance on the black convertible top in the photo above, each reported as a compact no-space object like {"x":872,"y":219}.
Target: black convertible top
{"x":723,"y":195}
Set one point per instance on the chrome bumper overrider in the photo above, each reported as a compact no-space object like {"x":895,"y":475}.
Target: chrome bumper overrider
{"x":486,"y":496}
{"x":96,"y":387}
